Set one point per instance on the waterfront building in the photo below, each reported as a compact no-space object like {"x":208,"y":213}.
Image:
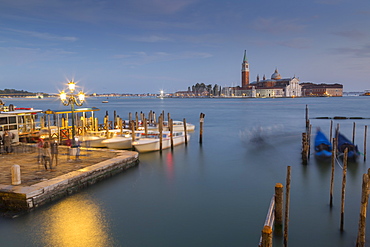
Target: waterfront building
{"x":310,"y":89}
{"x":245,"y":71}
{"x":276,"y":86}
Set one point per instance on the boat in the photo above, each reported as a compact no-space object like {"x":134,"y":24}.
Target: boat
{"x":323,"y":147}
{"x":151,"y":141}
{"x":94,"y":139}
{"x":105,"y":101}
{"x":120,"y":141}
{"x":177,"y":126}
{"x":343,"y":143}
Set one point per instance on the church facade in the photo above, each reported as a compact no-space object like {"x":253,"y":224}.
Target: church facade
{"x":276,"y":86}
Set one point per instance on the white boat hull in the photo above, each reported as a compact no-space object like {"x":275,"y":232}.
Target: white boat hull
{"x":149,"y":144}
{"x":118,"y":143}
{"x":94,"y":142}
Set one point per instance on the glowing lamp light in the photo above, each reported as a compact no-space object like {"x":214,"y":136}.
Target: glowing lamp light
{"x":81,"y":96}
{"x":63,"y":96}
{"x":71,"y":86}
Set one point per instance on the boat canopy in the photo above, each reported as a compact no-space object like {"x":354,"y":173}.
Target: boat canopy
{"x":77,"y":110}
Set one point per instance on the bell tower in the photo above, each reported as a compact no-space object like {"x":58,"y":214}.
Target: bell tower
{"x":245,"y":71}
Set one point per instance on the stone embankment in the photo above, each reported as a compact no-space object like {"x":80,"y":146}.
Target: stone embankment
{"x":40,"y":186}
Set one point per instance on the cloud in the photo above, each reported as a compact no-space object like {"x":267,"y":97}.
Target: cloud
{"x":28,"y":56}
{"x":299,"y":43}
{"x":150,"y":38}
{"x":142,"y":58}
{"x":329,"y":2}
{"x":351,"y":34}
{"x":276,"y":26}
{"x":360,"y":52}
{"x":160,"y":6}
{"x":45,"y":36}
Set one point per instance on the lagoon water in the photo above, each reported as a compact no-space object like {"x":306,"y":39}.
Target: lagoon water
{"x":214,"y":194}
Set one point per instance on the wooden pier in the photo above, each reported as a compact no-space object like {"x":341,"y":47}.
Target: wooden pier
{"x":43,"y":186}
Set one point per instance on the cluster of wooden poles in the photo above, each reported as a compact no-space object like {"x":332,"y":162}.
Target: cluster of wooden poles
{"x":306,"y":137}
{"x":133,"y":124}
{"x":366,"y":177}
{"x":274,"y":219}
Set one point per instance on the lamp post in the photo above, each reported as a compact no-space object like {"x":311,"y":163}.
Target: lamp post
{"x":72,"y":99}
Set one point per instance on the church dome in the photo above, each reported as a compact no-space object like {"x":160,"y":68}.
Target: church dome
{"x":276,"y":75}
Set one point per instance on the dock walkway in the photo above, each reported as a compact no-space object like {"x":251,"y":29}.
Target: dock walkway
{"x":39,"y":186}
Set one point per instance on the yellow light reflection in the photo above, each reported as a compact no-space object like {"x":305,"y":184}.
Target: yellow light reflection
{"x":76,"y":222}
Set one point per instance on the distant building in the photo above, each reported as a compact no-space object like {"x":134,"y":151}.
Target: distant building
{"x":276,"y":86}
{"x":316,"y":90}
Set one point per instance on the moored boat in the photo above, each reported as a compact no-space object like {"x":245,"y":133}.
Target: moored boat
{"x":151,"y":141}
{"x":343,"y":143}
{"x":323,"y":147}
{"x":120,"y":141}
{"x":94,"y":139}
{"x":177,"y":126}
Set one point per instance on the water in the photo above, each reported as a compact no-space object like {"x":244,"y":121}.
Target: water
{"x":214,"y":194}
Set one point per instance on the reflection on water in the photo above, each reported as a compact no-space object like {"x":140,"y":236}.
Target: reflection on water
{"x":75,"y":221}
{"x":170,"y":165}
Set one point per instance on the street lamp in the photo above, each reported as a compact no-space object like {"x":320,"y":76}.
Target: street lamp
{"x":72,"y":99}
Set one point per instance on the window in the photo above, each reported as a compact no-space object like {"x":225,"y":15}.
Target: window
{"x":3,"y":120}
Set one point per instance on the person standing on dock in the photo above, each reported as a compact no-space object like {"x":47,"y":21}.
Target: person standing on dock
{"x":54,"y":152}
{"x":40,"y":145}
{"x":46,"y":155}
{"x":69,"y":145}
{"x":7,"y":140}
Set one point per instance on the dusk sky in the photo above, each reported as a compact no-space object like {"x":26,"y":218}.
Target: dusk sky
{"x":143,"y":46}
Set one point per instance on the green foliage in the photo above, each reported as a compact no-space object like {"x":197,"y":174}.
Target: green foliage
{"x":13,"y":91}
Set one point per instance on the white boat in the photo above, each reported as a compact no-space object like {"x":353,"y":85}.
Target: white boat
{"x":177,"y":126}
{"x":151,"y":141}
{"x":94,"y":139}
{"x":120,"y":141}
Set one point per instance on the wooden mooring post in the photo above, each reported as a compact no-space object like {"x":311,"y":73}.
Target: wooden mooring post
{"x":287,"y":202}
{"x":333,"y":157}
{"x":307,"y":120}
{"x":344,"y":178}
{"x":364,"y":201}
{"x":279,"y":196}
{"x":331,"y":130}
{"x":365,"y":137}
{"x":185,"y":131}
{"x":305,"y":148}
{"x":353,"y":132}
{"x":201,"y":121}
{"x":170,"y":124}
{"x":266,"y":237}
{"x":160,"y":128}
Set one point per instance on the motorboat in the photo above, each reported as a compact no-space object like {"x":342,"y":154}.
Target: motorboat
{"x":177,"y":126}
{"x":151,"y":141}
{"x":94,"y":139}
{"x":119,"y":141}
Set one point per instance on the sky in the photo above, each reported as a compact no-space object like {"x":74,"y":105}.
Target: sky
{"x":144,"y":46}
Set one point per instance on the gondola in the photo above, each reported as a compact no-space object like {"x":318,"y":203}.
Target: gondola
{"x":344,"y":143}
{"x":323,"y":148}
